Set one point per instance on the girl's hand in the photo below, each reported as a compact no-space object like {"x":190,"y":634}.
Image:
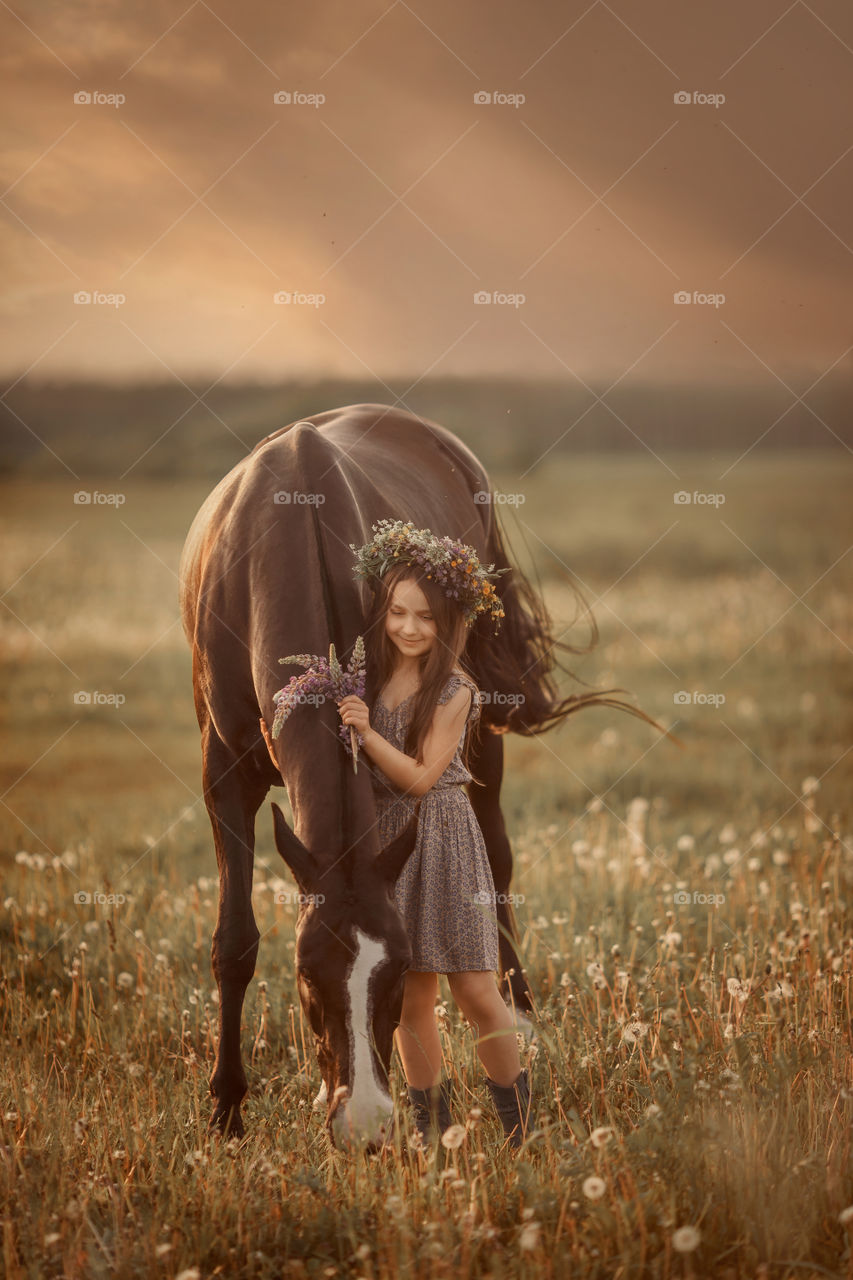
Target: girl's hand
{"x":355,"y":712}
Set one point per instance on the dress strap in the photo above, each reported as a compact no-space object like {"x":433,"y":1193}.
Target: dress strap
{"x":453,"y":683}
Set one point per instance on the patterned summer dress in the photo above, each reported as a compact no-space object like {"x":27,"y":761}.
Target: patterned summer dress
{"x":445,"y":892}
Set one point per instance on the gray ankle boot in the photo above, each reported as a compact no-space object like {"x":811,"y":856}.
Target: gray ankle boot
{"x":431,"y":1108}
{"x":512,"y":1102}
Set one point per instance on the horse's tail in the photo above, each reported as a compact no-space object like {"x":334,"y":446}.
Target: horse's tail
{"x":513,"y":669}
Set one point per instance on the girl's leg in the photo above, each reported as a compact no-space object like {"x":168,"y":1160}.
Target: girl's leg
{"x":417,"y":1035}
{"x":478,"y":997}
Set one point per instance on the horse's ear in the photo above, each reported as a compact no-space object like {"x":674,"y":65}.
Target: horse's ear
{"x":299,"y":859}
{"x":391,"y":860}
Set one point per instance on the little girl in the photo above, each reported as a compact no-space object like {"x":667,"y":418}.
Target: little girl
{"x":428,"y":590}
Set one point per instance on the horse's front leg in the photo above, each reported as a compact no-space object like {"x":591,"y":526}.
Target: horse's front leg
{"x":232,"y":803}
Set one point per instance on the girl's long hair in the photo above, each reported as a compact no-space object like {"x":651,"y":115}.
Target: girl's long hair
{"x":434,"y":668}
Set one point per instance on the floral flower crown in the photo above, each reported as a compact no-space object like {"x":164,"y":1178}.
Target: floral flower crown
{"x":452,"y":564}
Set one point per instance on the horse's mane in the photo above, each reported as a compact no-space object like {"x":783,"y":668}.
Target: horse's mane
{"x":521,"y":659}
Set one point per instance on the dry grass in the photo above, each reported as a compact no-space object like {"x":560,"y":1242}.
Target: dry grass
{"x":692,"y":1066}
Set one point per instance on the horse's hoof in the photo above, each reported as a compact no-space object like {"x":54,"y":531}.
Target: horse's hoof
{"x":226,"y":1122}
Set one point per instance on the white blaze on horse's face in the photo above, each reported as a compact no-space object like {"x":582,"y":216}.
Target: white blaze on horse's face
{"x":369,"y":1104}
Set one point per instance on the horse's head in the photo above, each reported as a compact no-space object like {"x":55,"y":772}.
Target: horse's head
{"x":352,"y":952}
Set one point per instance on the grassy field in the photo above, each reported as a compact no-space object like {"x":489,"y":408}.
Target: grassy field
{"x":686,"y":923}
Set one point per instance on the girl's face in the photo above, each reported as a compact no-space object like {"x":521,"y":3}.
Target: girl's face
{"x":409,"y":622}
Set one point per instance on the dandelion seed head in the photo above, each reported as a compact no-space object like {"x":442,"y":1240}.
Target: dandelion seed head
{"x":529,"y":1237}
{"x":600,"y":1136}
{"x":453,"y":1137}
{"x":686,"y":1239}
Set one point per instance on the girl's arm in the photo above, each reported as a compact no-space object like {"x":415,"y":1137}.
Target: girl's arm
{"x":439,"y":746}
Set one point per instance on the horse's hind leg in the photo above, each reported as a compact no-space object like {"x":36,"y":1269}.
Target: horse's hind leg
{"x":232,"y":800}
{"x":487,"y":765}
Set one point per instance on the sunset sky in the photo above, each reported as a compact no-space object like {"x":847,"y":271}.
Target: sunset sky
{"x":389,"y":192}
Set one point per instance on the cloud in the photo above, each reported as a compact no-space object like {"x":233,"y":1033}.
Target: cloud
{"x":597,"y":197}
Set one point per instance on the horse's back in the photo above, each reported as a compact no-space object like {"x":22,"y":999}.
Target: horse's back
{"x":370,"y":434}
{"x":279,"y":526}
{"x":368,"y":454}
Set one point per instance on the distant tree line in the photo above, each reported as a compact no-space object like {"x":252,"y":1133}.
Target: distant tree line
{"x":162,"y":429}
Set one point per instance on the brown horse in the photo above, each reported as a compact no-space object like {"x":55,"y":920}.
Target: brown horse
{"x":267,"y":571}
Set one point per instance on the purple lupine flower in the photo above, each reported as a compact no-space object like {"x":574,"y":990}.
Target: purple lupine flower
{"x":324,"y":678}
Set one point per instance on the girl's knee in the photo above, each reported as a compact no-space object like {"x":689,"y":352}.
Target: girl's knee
{"x":419,"y":993}
{"x":472,"y":990}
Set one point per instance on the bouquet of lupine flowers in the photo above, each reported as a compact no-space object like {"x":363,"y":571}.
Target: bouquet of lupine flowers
{"x":324,"y":678}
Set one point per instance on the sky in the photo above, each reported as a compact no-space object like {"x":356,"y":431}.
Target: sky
{"x":440,"y":189}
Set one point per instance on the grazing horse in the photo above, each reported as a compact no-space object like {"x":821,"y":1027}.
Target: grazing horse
{"x":267,"y":571}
